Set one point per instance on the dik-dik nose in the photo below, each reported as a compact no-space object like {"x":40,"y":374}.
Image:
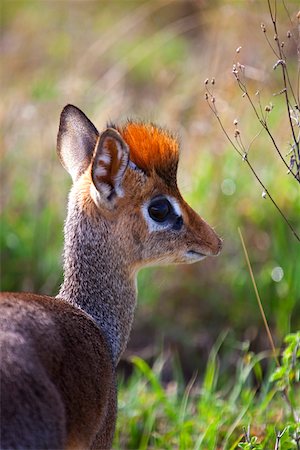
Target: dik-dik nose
{"x":219,"y":246}
{"x":213,"y":242}
{"x":205,"y":238}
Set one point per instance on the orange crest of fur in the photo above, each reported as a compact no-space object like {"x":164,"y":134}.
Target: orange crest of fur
{"x":152,"y":149}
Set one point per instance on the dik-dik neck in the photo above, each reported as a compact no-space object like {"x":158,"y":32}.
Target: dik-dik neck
{"x":96,"y":278}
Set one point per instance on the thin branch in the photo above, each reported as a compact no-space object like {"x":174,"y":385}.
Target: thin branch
{"x":298,"y":78}
{"x":269,"y":43}
{"x":278,"y":437}
{"x":284,"y":75}
{"x":284,"y":58}
{"x":263,"y":122}
{"x":273,"y":201}
{"x":287,"y":12}
{"x":245,"y":158}
{"x":247,"y":434}
{"x":281,"y":56}
{"x":283,"y":68}
{"x":254,"y":139}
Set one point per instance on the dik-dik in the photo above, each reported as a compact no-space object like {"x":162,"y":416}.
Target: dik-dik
{"x":59,"y":355}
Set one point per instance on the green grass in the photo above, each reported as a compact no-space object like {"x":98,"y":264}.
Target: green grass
{"x":209,"y":413}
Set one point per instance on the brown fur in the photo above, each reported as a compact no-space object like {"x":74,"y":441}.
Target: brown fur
{"x":70,"y":405}
{"x":59,"y":355}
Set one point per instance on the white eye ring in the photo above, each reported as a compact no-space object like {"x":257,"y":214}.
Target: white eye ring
{"x":159,"y":226}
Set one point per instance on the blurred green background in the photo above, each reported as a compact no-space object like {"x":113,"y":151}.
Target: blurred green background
{"x":149,"y":60}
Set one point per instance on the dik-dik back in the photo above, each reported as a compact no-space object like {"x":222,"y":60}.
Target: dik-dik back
{"x":59,"y":354}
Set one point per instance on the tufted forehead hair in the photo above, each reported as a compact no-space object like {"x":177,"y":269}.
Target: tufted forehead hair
{"x":152,"y":149}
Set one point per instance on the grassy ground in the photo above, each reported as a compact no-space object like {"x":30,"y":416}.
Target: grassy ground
{"x":209,"y":413}
{"x":119,"y":59}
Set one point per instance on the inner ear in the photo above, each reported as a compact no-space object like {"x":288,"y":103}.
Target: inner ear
{"x":76,"y":141}
{"x":109,"y":165}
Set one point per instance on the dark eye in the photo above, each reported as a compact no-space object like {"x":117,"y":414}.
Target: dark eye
{"x":159,"y":209}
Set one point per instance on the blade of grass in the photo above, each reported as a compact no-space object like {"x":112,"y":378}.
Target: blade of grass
{"x":153,"y":379}
{"x":185,"y":398}
{"x":211,"y":373}
{"x":258,"y":299}
{"x":237,"y":420}
{"x":210,"y":431}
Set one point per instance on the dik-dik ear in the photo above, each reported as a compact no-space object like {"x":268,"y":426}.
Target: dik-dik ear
{"x":109,"y":165}
{"x":76,"y":141}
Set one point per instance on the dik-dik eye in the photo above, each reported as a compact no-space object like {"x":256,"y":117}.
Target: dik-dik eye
{"x":160,"y":209}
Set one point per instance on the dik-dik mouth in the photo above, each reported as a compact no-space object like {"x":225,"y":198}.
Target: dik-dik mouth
{"x":195,"y":256}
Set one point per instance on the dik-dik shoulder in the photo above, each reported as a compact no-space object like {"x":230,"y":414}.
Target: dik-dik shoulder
{"x":58,"y":353}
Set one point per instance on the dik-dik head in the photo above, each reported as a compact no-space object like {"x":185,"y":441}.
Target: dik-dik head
{"x":125,"y":180}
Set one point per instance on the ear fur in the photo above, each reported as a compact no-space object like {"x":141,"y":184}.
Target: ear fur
{"x":109,"y":165}
{"x":76,"y":141}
